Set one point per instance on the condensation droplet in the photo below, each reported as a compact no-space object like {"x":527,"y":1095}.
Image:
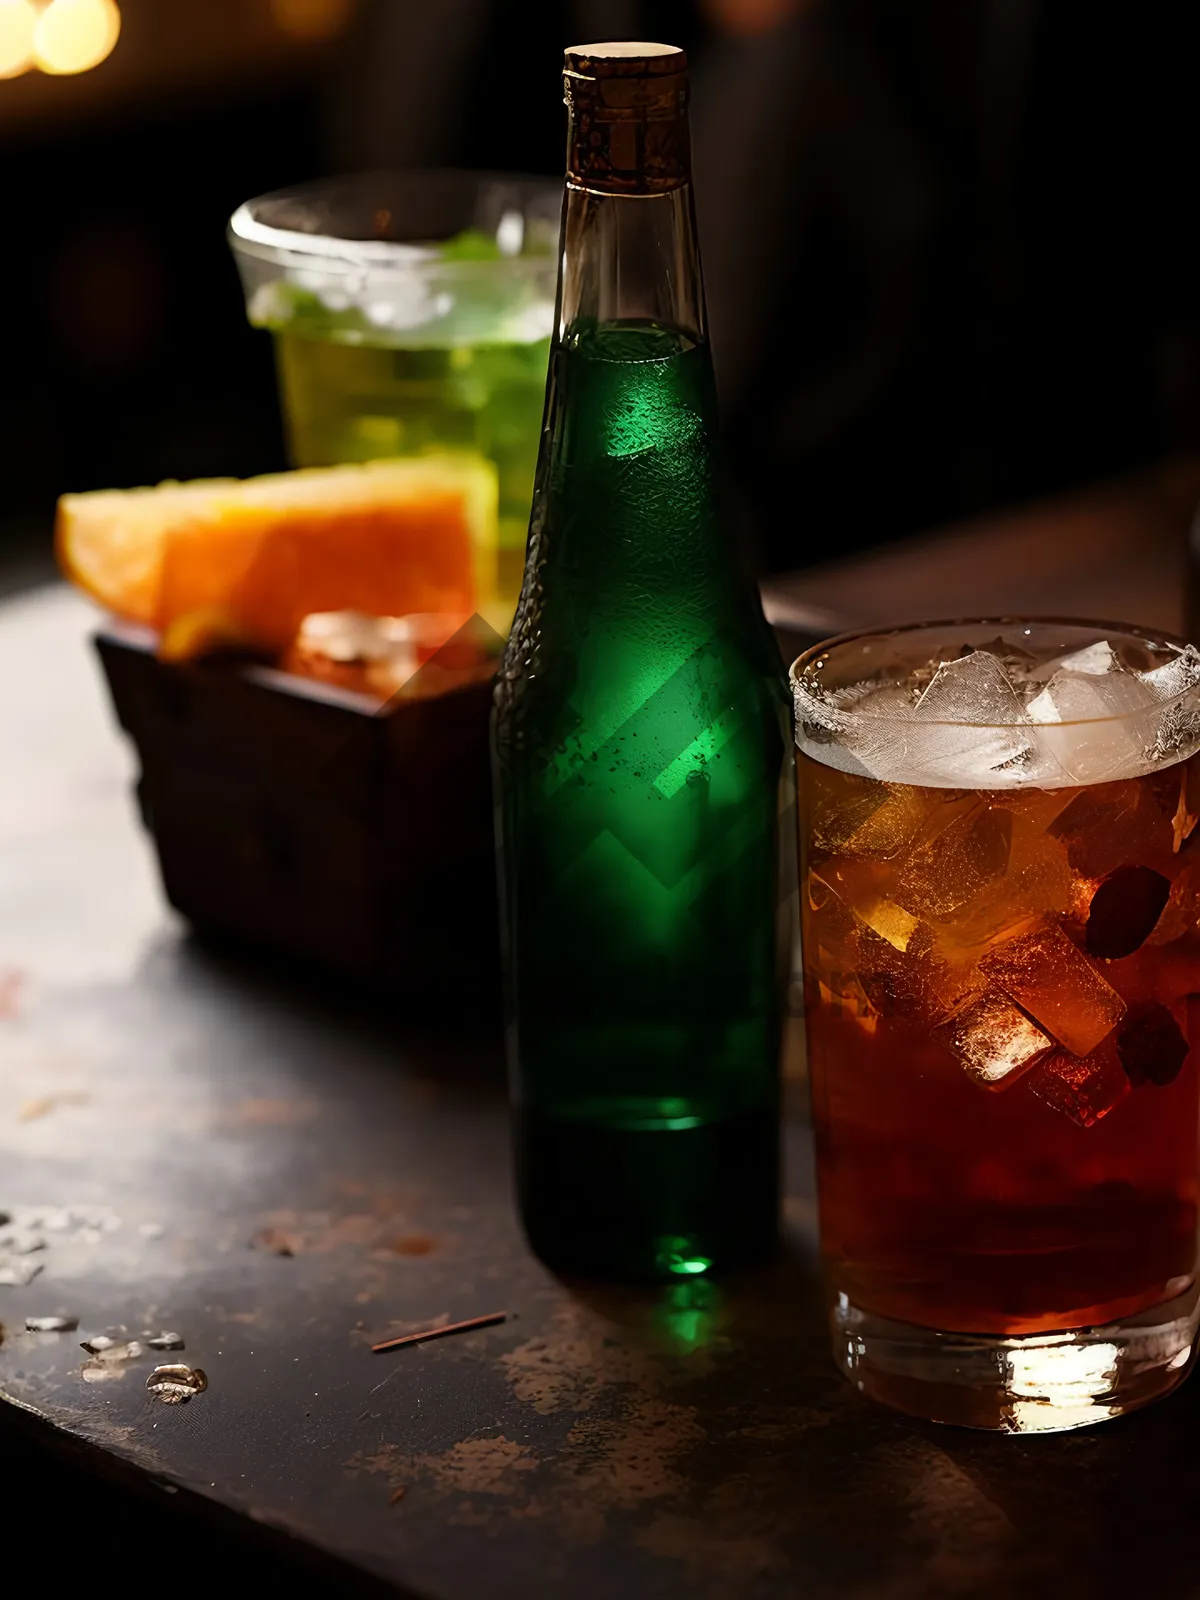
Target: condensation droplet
{"x":16,"y":1274}
{"x":164,"y":1341}
{"x":20,"y":1242}
{"x":176,"y":1384}
{"x":108,"y":1358}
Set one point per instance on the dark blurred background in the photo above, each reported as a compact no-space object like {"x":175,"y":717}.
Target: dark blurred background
{"x":950,"y":244}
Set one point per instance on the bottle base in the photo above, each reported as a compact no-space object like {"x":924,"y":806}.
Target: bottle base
{"x":648,"y":1205}
{"x":1033,"y":1383}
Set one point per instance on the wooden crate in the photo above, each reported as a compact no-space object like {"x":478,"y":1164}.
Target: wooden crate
{"x":310,"y":822}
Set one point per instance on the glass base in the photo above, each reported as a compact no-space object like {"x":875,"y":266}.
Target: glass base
{"x":1035,"y":1383}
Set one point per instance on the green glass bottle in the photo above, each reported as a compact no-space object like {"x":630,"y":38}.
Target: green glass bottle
{"x":640,"y":739}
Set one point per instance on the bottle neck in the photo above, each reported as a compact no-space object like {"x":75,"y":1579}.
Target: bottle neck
{"x":630,"y":259}
{"x":629,"y":228}
{"x":630,"y":253}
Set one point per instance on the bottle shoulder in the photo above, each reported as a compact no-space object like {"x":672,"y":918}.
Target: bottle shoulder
{"x":557,"y":682}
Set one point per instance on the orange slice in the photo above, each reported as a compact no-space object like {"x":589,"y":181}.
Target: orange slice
{"x":110,"y":543}
{"x":221,"y":561}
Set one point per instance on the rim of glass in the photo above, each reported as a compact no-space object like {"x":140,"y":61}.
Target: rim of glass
{"x":281,"y":246}
{"x":1100,"y":628}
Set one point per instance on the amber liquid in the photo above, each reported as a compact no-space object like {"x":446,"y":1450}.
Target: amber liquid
{"x":1065,"y":1194}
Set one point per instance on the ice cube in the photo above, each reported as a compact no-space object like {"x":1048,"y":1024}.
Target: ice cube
{"x":1084,"y":1088}
{"x":891,"y":922}
{"x":1175,"y":732}
{"x":989,"y":920}
{"x":915,"y":984}
{"x":823,"y":724}
{"x":994,"y":1040}
{"x":1038,"y":881}
{"x":1177,"y":735}
{"x":843,"y":994}
{"x":369,"y":654}
{"x":1105,"y":824}
{"x":831,"y":939}
{"x":1124,"y":911}
{"x":973,"y":689}
{"x":819,"y":890}
{"x":883,"y":834}
{"x":967,"y":728}
{"x":878,"y":736}
{"x":1167,"y":726}
{"x":861,"y":816}
{"x":837,"y":816}
{"x":1095,"y":659}
{"x":1057,"y":985}
{"x":963,"y":847}
{"x":1176,"y":676}
{"x":1151,"y":1046}
{"x":832,"y":924}
{"x":1039,"y":874}
{"x":970,"y":723}
{"x":1089,"y":724}
{"x":857,"y":886}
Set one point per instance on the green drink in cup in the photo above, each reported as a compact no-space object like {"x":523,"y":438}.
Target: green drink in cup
{"x":411,"y":314}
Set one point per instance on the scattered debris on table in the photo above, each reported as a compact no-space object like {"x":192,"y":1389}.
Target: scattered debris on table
{"x":412,"y":1244}
{"x":275,"y":1241}
{"x":438,"y":1331}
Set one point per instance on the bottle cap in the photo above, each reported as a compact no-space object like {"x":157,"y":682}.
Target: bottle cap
{"x":628,"y":129}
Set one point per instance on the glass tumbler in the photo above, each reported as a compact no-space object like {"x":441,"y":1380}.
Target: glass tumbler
{"x":411,"y":314}
{"x":1000,"y":889}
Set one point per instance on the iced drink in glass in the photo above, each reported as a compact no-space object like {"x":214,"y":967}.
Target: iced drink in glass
{"x":412,"y":313}
{"x":1000,"y":887}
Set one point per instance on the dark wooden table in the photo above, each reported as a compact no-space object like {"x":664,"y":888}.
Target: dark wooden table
{"x":282,"y":1177}
{"x":1113,"y":552}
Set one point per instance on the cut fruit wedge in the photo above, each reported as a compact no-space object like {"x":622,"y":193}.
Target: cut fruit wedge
{"x":110,"y":543}
{"x":225,"y":562}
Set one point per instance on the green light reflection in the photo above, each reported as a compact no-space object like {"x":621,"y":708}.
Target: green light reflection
{"x":687,"y":1313}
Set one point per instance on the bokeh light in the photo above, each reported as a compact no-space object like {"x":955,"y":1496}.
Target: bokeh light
{"x":75,"y":35}
{"x":18,"y":19}
{"x":312,"y":20}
